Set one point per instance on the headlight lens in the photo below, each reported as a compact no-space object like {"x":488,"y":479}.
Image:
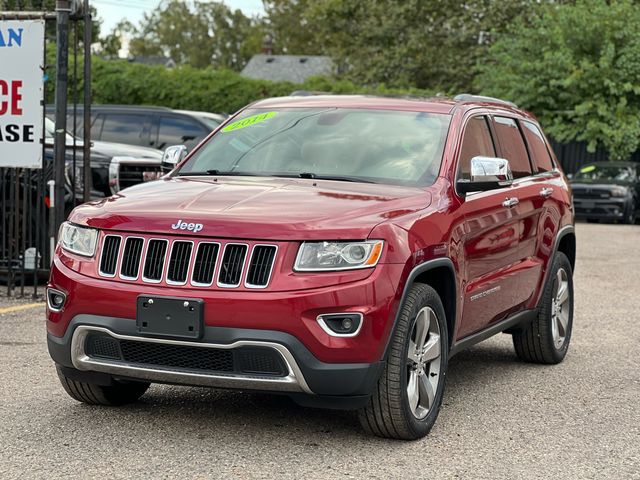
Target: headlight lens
{"x":325,"y":256}
{"x":619,"y":191}
{"x":79,"y":240}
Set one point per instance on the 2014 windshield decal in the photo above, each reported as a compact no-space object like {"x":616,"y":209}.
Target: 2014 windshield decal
{"x":249,"y":121}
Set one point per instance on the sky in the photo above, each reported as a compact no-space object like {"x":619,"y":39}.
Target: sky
{"x":112,"y":11}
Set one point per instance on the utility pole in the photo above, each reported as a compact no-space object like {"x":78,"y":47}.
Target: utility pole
{"x":86,"y":150}
{"x":63,"y":10}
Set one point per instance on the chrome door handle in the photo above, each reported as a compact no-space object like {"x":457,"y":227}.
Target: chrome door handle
{"x":510,"y":202}
{"x":546,"y":192}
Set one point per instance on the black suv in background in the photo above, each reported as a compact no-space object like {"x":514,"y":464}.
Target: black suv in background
{"x":155,"y":127}
{"x":607,"y":191}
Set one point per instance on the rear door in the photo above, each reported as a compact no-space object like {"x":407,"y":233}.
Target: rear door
{"x":129,"y":128}
{"x":490,"y":241}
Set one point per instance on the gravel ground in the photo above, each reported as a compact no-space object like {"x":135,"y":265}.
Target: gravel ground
{"x":500,"y":419}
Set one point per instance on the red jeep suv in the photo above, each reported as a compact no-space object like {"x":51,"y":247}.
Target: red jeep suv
{"x":339,"y":249}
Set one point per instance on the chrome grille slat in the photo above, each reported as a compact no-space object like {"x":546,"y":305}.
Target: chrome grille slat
{"x":179,"y":261}
{"x":260,"y":266}
{"x":232,"y":265}
{"x":154,"y":261}
{"x":109,"y":257}
{"x":205,"y":263}
{"x":131,"y":256}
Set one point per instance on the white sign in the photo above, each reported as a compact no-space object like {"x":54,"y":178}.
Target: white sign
{"x":21,"y":62}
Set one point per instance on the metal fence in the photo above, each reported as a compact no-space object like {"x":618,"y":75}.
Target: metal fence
{"x":29,"y":212}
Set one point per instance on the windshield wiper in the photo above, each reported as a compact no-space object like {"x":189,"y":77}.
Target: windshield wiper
{"x":337,"y":178}
{"x":214,"y":172}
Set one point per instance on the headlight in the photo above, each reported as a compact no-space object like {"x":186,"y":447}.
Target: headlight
{"x":619,"y":191}
{"x":79,"y":240}
{"x":324,"y":256}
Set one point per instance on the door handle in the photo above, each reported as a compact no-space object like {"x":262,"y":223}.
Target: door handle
{"x":510,"y":202}
{"x":546,"y":192}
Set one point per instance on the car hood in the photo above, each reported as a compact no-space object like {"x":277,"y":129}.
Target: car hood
{"x":120,"y":149}
{"x":254,"y":208}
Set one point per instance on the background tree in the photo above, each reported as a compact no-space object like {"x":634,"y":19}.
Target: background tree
{"x":198,"y":34}
{"x":289,"y":22}
{"x":412,"y":43}
{"x":577,"y":67}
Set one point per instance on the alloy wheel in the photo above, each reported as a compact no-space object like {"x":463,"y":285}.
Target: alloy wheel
{"x":423,"y":363}
{"x":560,"y":307}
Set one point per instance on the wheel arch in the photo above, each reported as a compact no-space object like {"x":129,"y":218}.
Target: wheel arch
{"x":566,"y":243}
{"x":440,"y":275}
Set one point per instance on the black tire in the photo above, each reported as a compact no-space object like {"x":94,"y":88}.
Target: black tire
{"x":536,"y":343}
{"x":630,"y":213}
{"x":121,"y":393}
{"x":388,"y":413}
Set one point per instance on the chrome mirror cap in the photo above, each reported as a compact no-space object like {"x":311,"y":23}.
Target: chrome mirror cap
{"x":173,"y":156}
{"x":487,"y":173}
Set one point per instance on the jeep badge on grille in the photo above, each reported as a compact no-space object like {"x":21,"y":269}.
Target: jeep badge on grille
{"x":192,"y":227}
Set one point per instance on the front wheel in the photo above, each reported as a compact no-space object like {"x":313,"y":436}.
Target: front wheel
{"x":546,"y":339}
{"x":409,"y":393}
{"x":120,"y":393}
{"x":630,"y":213}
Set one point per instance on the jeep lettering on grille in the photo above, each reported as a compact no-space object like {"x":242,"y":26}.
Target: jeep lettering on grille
{"x":192,"y":227}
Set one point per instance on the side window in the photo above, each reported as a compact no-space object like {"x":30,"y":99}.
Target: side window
{"x":124,"y":128}
{"x":476,"y":142}
{"x":537,"y":147}
{"x":512,"y":146}
{"x":96,"y":127}
{"x":179,"y":131}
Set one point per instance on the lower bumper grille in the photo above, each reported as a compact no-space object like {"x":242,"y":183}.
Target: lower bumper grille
{"x":242,"y":360}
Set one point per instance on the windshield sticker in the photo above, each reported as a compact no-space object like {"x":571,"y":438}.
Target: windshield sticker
{"x":249,"y":121}
{"x":588,"y":169}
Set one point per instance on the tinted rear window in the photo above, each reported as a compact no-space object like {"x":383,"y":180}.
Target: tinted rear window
{"x":512,"y":146}
{"x":537,"y":147}
{"x":124,"y":128}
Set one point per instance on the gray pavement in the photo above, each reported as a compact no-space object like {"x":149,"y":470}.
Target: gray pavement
{"x":501,"y":419}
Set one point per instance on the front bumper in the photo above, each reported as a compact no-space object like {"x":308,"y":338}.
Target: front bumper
{"x":305,"y":374}
{"x":605,"y":209}
{"x":285,"y":322}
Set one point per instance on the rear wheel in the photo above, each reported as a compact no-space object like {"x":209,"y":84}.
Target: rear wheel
{"x":546,"y":339}
{"x":120,"y":393}
{"x":630,"y":213}
{"x":409,"y":393}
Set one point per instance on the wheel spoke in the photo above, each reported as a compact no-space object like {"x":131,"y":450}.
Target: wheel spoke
{"x":432,"y":348}
{"x":427,"y":392}
{"x":559,"y":278}
{"x":412,"y":353}
{"x":563,"y":293}
{"x":422,"y":328}
{"x":562,"y":319}
{"x":413,"y":391}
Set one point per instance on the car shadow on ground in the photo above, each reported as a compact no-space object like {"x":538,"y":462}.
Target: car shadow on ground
{"x":209,"y":413}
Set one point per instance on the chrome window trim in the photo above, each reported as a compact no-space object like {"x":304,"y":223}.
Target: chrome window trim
{"x":164,"y":261}
{"x":242,"y":271}
{"x":330,"y":332}
{"x":215,"y":267}
{"x":168,"y":260}
{"x":140,"y":261}
{"x":104,"y":239}
{"x":250,"y":256}
{"x":293,"y":382}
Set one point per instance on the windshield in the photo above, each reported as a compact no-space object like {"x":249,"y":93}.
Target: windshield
{"x":622,"y":173}
{"x":378,"y":146}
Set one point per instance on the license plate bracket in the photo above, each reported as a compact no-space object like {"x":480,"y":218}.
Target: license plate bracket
{"x":170,"y":316}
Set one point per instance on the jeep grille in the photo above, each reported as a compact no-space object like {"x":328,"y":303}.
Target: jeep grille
{"x":181,"y":262}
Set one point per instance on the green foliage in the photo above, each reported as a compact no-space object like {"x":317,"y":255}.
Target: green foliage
{"x":577,"y":67}
{"x":199,"y":34}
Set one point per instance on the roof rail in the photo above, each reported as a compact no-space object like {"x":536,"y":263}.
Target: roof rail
{"x":467,"y":97}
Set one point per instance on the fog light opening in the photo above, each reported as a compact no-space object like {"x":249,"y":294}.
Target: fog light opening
{"x":55,"y":299}
{"x":341,"y":324}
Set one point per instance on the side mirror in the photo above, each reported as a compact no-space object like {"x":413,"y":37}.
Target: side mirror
{"x":173,"y":156}
{"x":487,"y":173}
